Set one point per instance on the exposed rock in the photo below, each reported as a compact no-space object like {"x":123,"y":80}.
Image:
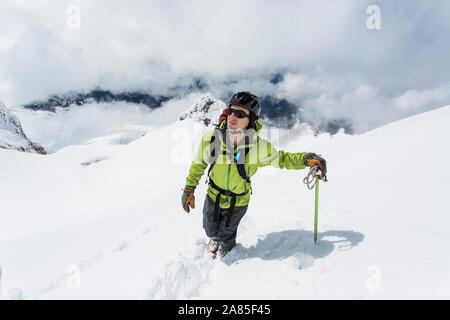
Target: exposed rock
{"x":12,"y":136}
{"x":56,"y":103}
{"x":206,"y":110}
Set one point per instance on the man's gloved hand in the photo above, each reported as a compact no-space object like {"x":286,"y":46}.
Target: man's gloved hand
{"x":312,"y":159}
{"x":188,"y":199}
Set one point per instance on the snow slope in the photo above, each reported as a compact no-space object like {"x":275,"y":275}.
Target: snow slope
{"x":103,"y":220}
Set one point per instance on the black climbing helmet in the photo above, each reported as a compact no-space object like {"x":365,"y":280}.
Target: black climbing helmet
{"x":246,"y":100}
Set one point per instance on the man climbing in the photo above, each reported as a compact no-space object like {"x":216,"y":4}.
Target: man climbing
{"x":235,"y":151}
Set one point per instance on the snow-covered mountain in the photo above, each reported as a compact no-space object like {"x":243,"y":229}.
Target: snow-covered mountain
{"x":12,"y":135}
{"x":104,"y":220}
{"x":206,"y":111}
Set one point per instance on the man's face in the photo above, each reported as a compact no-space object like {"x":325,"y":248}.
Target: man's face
{"x":235,"y":123}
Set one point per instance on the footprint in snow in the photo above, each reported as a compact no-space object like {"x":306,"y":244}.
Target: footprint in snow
{"x":184,"y":277}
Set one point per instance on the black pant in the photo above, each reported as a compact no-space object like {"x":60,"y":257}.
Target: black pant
{"x":218,"y":229}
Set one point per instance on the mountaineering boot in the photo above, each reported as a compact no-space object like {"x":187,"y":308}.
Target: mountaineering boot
{"x":222,"y":252}
{"x":213,"y":246}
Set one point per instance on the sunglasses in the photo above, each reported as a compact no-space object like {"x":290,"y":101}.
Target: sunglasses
{"x":238,"y":113}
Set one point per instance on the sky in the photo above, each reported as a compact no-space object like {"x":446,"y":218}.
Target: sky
{"x":339,"y":61}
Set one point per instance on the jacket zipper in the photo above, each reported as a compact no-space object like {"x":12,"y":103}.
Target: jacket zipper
{"x":228,"y":178}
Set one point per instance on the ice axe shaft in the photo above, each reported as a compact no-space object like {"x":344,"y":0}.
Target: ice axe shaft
{"x":312,"y":181}
{"x":316,"y":210}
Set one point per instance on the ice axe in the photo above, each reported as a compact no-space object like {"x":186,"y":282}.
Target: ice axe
{"x":311,"y":181}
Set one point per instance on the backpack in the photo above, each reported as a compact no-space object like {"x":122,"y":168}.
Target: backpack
{"x":215,"y":144}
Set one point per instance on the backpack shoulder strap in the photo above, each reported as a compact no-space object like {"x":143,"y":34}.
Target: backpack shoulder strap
{"x":241,"y":164}
{"x":215,"y":149}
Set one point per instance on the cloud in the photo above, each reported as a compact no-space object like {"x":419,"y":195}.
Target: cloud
{"x":334,"y":65}
{"x":81,"y":124}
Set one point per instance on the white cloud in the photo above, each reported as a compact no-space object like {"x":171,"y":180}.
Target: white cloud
{"x":324,"y":46}
{"x":81,"y":124}
{"x":419,"y":100}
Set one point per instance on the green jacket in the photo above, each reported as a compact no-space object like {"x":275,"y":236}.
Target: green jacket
{"x":224,"y":173}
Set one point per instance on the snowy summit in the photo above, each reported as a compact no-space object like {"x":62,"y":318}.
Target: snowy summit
{"x":206,"y":110}
{"x":12,"y":136}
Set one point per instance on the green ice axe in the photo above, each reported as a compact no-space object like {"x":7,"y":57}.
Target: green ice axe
{"x":311,"y":181}
{"x":316,"y":210}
